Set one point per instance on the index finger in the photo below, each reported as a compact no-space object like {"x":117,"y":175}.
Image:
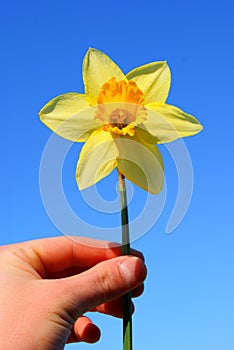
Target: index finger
{"x":64,"y":252}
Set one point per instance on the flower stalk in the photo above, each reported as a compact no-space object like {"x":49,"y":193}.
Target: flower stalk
{"x":127,"y":307}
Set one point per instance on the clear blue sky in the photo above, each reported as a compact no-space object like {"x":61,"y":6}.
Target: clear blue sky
{"x":188,"y":300}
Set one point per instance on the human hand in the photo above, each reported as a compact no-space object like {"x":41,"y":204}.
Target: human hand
{"x":47,"y":285}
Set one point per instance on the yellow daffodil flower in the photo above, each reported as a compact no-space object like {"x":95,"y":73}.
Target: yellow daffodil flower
{"x":120,"y":118}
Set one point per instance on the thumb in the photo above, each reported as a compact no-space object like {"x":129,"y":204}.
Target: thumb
{"x":105,"y":281}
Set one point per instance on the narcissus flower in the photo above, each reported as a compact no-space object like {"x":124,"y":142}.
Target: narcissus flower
{"x":120,"y":118}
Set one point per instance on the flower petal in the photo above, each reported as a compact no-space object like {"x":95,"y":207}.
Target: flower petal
{"x":145,"y":135}
{"x":153,"y":79}
{"x":141,"y":163}
{"x":97,"y":69}
{"x":97,"y":159}
{"x":169,"y":123}
{"x":70,"y":116}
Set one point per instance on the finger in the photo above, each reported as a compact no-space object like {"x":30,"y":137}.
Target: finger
{"x":75,"y":271}
{"x":84,"y":330}
{"x":115,"y":307}
{"x":58,"y":255}
{"x":104,"y":282}
{"x":138,"y":291}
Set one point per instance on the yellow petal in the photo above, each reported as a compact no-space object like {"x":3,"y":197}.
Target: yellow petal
{"x":97,"y":159}
{"x":145,"y":135}
{"x":70,"y":116}
{"x":169,"y":123}
{"x":141,"y":163}
{"x":97,"y":69}
{"x":153,"y":79}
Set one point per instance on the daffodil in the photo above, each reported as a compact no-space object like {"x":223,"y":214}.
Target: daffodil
{"x":121,"y":118}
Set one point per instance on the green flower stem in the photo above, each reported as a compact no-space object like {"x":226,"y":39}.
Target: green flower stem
{"x":127,"y":308}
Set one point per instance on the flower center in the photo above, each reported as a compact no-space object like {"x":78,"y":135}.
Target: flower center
{"x":120,"y":106}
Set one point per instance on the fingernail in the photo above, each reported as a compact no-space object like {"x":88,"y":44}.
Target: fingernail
{"x":133,"y":270}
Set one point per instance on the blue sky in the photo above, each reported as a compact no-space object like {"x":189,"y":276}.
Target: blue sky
{"x":188,"y":300}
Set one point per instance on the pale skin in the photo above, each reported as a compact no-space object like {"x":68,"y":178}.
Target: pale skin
{"x":47,"y":285}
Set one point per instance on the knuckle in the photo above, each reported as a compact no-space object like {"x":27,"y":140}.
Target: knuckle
{"x":109,"y":280}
